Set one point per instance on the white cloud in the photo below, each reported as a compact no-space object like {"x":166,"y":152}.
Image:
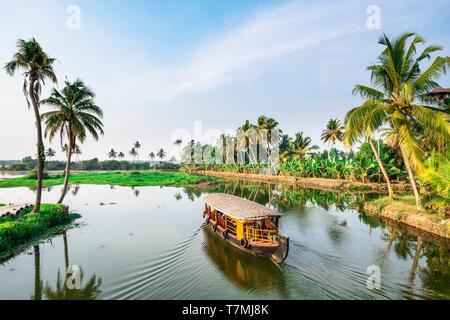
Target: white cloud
{"x":268,"y":34}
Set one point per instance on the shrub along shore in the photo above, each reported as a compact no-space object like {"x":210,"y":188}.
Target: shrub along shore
{"x":131,"y":179}
{"x":403,"y":210}
{"x":19,"y":232}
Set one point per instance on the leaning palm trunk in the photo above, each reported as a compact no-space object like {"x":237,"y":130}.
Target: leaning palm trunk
{"x":67,"y":172}
{"x":411,"y":178}
{"x":40,"y":144}
{"x":383,"y":169}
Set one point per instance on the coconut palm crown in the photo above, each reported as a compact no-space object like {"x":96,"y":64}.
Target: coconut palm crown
{"x":333,"y":133}
{"x":75,"y":116}
{"x":397,"y":100}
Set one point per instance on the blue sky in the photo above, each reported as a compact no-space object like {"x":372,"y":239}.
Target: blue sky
{"x":159,"y":66}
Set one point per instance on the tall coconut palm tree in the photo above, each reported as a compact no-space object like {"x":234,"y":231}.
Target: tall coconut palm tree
{"x":50,"y":153}
{"x":38,"y":67}
{"x":133,"y":153}
{"x":137,"y":146}
{"x":161,"y":154}
{"x":334,"y":132}
{"x":396,"y":100}
{"x":151,"y":155}
{"x":112,"y":154}
{"x":75,"y":116}
{"x":121,"y":155}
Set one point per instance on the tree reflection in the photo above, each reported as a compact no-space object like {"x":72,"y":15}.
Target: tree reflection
{"x":178,"y":196}
{"x":90,"y":291}
{"x":37,"y":274}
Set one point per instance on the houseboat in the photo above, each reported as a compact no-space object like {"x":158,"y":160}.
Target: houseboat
{"x":247,"y":225}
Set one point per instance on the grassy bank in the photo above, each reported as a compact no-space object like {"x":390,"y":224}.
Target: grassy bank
{"x":17,"y":233}
{"x":313,"y":183}
{"x":403,"y":210}
{"x":131,"y":179}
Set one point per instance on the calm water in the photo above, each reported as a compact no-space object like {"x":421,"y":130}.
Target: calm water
{"x":151,"y":243}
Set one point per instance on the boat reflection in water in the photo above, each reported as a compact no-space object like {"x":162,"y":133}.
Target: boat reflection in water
{"x":247,"y":272}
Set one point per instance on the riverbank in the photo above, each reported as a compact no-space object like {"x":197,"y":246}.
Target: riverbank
{"x":312,"y":183}
{"x":128,"y":179}
{"x":18,"y":233}
{"x":405,"y":212}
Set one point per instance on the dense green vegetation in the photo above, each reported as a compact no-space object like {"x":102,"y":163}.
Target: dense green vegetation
{"x":17,"y":233}
{"x":28,"y":163}
{"x":402,"y":106}
{"x":131,"y":178}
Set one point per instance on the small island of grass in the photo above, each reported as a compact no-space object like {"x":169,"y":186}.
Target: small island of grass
{"x":403,"y":210}
{"x":130,"y":179}
{"x":19,"y":232}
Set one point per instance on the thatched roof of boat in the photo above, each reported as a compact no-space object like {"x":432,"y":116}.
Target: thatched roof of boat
{"x":239,"y":208}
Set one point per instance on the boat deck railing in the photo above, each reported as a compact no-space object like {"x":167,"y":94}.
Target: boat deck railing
{"x":261,"y":235}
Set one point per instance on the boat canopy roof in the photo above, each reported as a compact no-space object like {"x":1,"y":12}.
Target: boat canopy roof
{"x":239,"y":208}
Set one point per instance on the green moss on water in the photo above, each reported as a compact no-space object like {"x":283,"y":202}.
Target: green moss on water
{"x":131,"y":179}
{"x":17,"y":233}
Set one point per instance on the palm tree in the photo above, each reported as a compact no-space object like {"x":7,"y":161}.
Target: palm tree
{"x":397,"y":101}
{"x":133,"y":153}
{"x":120,"y":155}
{"x":77,"y":151}
{"x":50,"y":153}
{"x":301,"y":145}
{"x":112,"y":154}
{"x":161,"y":154}
{"x":245,"y":141}
{"x":137,"y":146}
{"x":177,"y":143}
{"x":151,"y":155}
{"x":38,"y":67}
{"x":267,"y":125}
{"x":334,"y":132}
{"x":76,"y":115}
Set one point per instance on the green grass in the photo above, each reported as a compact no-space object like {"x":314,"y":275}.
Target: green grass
{"x":131,"y":179}
{"x":405,"y":201}
{"x":17,"y":233}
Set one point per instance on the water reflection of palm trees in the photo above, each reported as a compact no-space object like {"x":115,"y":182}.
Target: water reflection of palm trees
{"x":90,"y":291}
{"x":178,"y":196}
{"x":430,"y":260}
{"x":286,"y":197}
